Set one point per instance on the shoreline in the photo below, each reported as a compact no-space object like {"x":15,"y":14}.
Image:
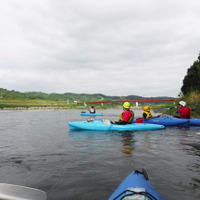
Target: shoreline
{"x":59,"y":108}
{"x":35,"y":108}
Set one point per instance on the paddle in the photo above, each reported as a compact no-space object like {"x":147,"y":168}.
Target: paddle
{"x":17,"y":192}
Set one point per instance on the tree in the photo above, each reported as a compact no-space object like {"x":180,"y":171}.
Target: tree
{"x":191,"y":81}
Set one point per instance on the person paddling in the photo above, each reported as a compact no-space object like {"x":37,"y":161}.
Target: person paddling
{"x":92,"y":110}
{"x":127,"y":116}
{"x":147,"y":113}
{"x":184,"y":110}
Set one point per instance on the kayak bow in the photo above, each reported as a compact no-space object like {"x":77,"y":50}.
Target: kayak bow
{"x":135,"y":187}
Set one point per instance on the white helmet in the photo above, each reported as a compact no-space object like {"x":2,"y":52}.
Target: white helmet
{"x":182,"y":103}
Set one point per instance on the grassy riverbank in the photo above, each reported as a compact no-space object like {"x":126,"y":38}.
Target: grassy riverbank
{"x":22,"y":104}
{"x":10,"y":103}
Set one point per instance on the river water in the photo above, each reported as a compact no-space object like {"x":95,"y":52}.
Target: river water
{"x":38,"y":150}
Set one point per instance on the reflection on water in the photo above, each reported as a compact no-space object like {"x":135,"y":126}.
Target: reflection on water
{"x":128,"y":142}
{"x":102,"y":138}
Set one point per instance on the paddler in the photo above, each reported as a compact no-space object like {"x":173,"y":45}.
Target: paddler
{"x":92,"y":110}
{"x":126,"y":116}
{"x":184,"y":110}
{"x":147,"y":113}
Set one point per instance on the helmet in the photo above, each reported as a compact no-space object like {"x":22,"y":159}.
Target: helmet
{"x":182,"y":103}
{"x":146,"y":108}
{"x":126,"y":105}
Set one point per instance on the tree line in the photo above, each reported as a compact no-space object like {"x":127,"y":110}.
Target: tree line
{"x":191,"y":82}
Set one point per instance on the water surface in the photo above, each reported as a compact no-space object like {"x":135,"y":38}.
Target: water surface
{"x":38,"y":150}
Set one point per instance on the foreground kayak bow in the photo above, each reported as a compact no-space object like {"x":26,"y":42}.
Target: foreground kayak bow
{"x":135,"y":187}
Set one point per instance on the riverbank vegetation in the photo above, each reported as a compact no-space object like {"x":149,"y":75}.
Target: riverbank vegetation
{"x":33,"y":104}
{"x":190,"y":91}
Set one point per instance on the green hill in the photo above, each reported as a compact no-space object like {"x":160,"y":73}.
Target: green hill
{"x":70,"y":97}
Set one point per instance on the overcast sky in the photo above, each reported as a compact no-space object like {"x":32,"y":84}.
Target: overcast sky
{"x":113,"y":47}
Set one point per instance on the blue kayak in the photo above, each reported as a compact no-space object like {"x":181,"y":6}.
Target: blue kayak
{"x":194,"y":121}
{"x":135,"y":187}
{"x":166,"y":121}
{"x":91,"y":114}
{"x":105,"y":125}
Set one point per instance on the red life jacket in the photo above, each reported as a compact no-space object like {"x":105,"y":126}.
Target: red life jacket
{"x":127,"y":116}
{"x":184,"y":112}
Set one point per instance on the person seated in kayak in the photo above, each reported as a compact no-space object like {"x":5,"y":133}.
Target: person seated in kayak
{"x":92,"y":110}
{"x":127,"y":116}
{"x":147,"y":113}
{"x":184,"y":110}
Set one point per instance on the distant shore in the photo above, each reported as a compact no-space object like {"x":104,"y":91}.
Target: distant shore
{"x":60,"y":108}
{"x":34,"y":108}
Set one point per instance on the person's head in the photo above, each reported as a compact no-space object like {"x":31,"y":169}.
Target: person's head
{"x":182,"y":103}
{"x":146,"y":108}
{"x":92,"y":106}
{"x":126,"y":105}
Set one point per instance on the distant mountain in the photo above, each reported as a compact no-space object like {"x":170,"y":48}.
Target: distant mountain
{"x":71,"y":97}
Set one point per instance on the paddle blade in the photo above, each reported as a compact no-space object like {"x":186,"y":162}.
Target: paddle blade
{"x":17,"y":192}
